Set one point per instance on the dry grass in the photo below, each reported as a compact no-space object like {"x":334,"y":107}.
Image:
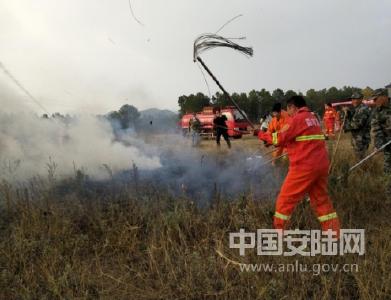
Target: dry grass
{"x":118,"y":243}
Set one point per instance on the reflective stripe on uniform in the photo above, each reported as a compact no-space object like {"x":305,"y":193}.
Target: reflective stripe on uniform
{"x":281,"y":216}
{"x":302,"y":138}
{"x":274,"y":138}
{"x":328,"y":217}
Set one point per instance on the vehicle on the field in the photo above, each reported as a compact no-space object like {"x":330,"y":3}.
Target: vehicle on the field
{"x":236,"y":124}
{"x":348,"y":102}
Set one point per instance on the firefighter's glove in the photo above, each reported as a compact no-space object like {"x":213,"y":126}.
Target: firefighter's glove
{"x":265,"y":137}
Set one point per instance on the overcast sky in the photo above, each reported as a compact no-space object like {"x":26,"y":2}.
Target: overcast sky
{"x":92,"y":56}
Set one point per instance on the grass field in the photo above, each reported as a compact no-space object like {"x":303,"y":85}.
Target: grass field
{"x":133,"y":241}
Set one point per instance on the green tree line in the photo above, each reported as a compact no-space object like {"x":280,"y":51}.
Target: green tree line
{"x":258,"y":103}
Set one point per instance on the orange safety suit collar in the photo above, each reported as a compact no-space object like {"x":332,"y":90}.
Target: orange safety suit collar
{"x":304,"y":141}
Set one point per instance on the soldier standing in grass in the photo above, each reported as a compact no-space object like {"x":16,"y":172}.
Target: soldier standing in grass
{"x":381,"y":130}
{"x":358,"y":123}
{"x":195,"y":129}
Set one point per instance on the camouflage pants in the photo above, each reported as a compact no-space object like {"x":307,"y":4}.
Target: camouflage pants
{"x":360,"y":143}
{"x":195,"y":138}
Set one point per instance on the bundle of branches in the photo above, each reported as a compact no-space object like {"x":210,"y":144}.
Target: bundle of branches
{"x":209,"y":41}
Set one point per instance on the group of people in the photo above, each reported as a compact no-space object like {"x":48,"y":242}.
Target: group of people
{"x":219,"y":126}
{"x":299,"y":132}
{"x":360,"y":120}
{"x":356,"y":119}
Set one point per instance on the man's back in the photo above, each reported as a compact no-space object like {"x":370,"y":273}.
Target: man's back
{"x":304,"y":141}
{"x":359,"y":120}
{"x":220,"y":121}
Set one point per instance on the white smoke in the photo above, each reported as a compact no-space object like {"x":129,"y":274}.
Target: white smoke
{"x":31,"y":145}
{"x":28,"y":143}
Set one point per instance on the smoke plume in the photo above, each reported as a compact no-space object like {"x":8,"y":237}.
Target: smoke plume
{"x":30,"y":144}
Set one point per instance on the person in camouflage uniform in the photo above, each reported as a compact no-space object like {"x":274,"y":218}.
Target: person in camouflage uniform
{"x":195,"y":129}
{"x":358,"y":123}
{"x":381,"y":131}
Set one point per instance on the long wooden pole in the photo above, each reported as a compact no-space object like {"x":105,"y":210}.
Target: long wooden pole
{"x":337,"y":144}
{"x":224,"y":91}
{"x":376,"y":151}
{"x":273,"y":159}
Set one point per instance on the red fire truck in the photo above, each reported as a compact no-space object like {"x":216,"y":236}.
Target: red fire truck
{"x":348,"y":102}
{"x":236,"y":124}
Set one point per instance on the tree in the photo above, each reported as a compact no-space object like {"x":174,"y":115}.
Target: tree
{"x":278,"y":95}
{"x":254,"y":105}
{"x":316,"y":99}
{"x":220,"y":100}
{"x":289,"y":94}
{"x":192,"y":103}
{"x":332,"y":94}
{"x":347,"y":91}
{"x":267,"y":102}
{"x":367,"y":92}
{"x":126,"y":116}
{"x":258,"y":103}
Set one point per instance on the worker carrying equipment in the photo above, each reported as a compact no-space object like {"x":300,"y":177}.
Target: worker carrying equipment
{"x":331,"y":120}
{"x":220,"y":125}
{"x":308,"y":170}
{"x":280,"y":118}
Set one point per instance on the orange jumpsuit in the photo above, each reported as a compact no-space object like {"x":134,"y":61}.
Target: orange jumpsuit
{"x":331,"y":121}
{"x":308,"y":170}
{"x":276,"y":125}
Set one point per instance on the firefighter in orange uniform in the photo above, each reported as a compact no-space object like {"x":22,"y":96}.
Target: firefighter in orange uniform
{"x":308,"y":170}
{"x":280,"y":118}
{"x":330,"y":120}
